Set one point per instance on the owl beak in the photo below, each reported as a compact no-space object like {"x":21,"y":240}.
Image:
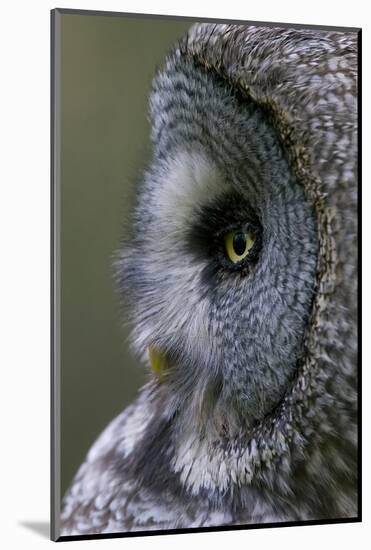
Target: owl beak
{"x":158,"y":362}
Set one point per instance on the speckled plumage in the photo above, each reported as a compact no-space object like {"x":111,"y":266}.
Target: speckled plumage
{"x":255,"y":419}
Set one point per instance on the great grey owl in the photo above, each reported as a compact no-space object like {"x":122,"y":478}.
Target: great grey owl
{"x":241,"y":277}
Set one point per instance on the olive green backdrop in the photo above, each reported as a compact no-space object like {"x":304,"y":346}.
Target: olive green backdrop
{"x":107,"y":64}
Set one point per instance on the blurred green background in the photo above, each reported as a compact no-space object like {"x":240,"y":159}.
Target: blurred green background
{"x":107,"y":64}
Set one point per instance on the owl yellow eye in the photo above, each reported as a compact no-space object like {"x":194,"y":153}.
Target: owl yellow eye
{"x":238,"y":245}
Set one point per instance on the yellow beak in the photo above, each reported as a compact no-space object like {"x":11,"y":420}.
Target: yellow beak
{"x":158,"y":361}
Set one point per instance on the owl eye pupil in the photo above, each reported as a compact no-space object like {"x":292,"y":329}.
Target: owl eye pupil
{"x":239,"y":243}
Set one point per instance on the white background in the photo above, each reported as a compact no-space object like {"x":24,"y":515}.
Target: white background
{"x":24,"y":268}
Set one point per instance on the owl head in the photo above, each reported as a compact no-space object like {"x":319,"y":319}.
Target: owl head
{"x":219,"y":267}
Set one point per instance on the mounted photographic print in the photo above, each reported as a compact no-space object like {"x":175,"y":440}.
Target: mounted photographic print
{"x":204,"y":274}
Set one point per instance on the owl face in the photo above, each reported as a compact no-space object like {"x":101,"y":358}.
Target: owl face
{"x":219,"y":269}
